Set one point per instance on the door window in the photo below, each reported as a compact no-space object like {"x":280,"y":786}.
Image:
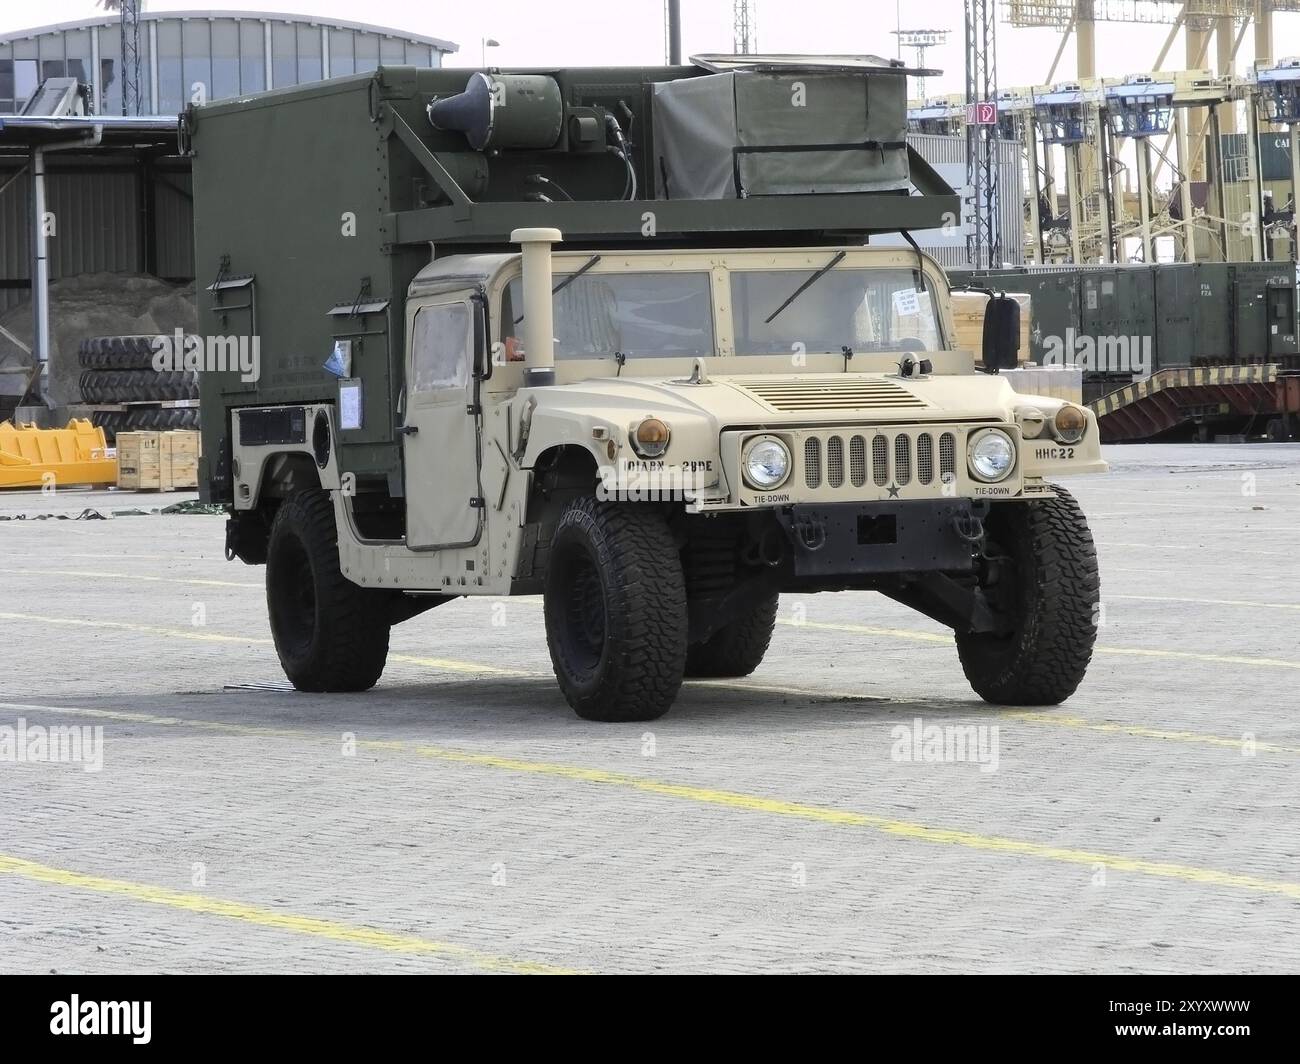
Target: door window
{"x":440,"y":347}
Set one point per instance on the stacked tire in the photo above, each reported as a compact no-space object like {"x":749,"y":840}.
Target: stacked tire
{"x":119,"y":370}
{"x":137,"y":385}
{"x":117,"y":352}
{"x":145,"y":419}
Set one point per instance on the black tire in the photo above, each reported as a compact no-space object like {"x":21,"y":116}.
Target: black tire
{"x":156,"y":419}
{"x":117,"y":352}
{"x":137,"y":385}
{"x":1055,"y":591}
{"x":736,"y":649}
{"x":330,"y":634}
{"x":110,"y":421}
{"x":615,"y":603}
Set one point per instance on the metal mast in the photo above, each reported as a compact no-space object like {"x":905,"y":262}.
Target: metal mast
{"x":130,"y":22}
{"x":983,"y":242}
{"x":744,"y":31}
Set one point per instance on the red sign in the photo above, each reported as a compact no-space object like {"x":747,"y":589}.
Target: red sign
{"x":984,"y":113}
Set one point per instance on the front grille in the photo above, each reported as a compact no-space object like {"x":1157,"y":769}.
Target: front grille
{"x":947,"y":456}
{"x":880,"y":460}
{"x":925,"y":458}
{"x":857,"y":461}
{"x":834,"y":462}
{"x":892,"y":458}
{"x":812,"y":462}
{"x":903,"y":459}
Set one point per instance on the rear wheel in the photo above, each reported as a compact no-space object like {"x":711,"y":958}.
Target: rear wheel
{"x":1048,"y":586}
{"x":735,"y":649}
{"x":330,"y":634}
{"x":615,"y":611}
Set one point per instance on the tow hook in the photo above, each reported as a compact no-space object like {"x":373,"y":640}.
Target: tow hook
{"x":810,"y":532}
{"x":969,"y":527}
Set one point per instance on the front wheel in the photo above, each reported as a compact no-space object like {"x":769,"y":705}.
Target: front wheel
{"x":330,"y":634}
{"x":736,"y":649}
{"x":615,"y":604}
{"x":1049,"y":588}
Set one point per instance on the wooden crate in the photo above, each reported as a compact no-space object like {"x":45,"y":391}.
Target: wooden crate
{"x":139,"y":461}
{"x":180,"y":457}
{"x":968,"y":315}
{"x":158,"y":461}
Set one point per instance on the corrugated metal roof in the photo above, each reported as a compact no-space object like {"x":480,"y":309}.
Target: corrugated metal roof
{"x":264,"y":16}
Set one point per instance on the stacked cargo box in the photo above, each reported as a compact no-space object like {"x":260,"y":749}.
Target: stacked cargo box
{"x":157,"y":461}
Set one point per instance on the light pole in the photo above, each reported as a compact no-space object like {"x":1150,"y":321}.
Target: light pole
{"x":488,"y":42}
{"x":922,"y":41}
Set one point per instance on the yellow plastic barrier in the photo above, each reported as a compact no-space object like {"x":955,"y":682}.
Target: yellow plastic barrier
{"x":32,"y":457}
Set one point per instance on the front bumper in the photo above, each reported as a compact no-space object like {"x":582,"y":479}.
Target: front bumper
{"x":830,"y":540}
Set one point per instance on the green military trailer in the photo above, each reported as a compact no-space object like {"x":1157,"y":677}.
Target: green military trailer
{"x":618,"y":337}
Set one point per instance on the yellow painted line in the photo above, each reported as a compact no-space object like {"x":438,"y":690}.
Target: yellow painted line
{"x":335,"y":931}
{"x":95,"y":574}
{"x":1141,"y":731}
{"x":116,"y":556}
{"x":195,"y":634}
{"x":1141,"y":652}
{"x":1187,"y":655}
{"x":452,"y":665}
{"x":127,"y":717}
{"x":1208,"y":602}
{"x":198,"y":635}
{"x":802,"y":692}
{"x":794,"y":810}
{"x":865,"y":629}
{"x":1047,"y":718}
{"x":1204,"y":550}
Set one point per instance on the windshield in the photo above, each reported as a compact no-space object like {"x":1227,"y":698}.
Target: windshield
{"x":640,"y":315}
{"x":863,"y":309}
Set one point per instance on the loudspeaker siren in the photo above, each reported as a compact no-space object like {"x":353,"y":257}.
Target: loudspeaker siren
{"x":522,"y":111}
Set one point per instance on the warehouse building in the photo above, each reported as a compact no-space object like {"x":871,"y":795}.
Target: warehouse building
{"x":226,"y":53}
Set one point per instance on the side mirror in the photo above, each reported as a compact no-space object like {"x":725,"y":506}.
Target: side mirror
{"x":1001,"y":333}
{"x":482,"y":348}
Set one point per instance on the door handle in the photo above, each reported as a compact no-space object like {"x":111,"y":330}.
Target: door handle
{"x":408,"y":430}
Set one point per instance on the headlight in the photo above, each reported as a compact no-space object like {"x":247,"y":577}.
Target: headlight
{"x":650,"y":438}
{"x":992,"y":455}
{"x":766,"y":464}
{"x":1070,"y":424}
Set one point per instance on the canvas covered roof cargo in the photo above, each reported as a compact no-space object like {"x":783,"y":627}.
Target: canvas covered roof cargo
{"x":781,"y":132}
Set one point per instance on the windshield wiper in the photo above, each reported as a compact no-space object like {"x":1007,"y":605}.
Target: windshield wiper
{"x":570,"y":279}
{"x":806,"y":285}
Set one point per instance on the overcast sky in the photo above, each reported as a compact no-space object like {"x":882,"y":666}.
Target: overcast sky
{"x":617,"y":32}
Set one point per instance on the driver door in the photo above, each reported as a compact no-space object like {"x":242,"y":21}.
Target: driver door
{"x":440,"y":434}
